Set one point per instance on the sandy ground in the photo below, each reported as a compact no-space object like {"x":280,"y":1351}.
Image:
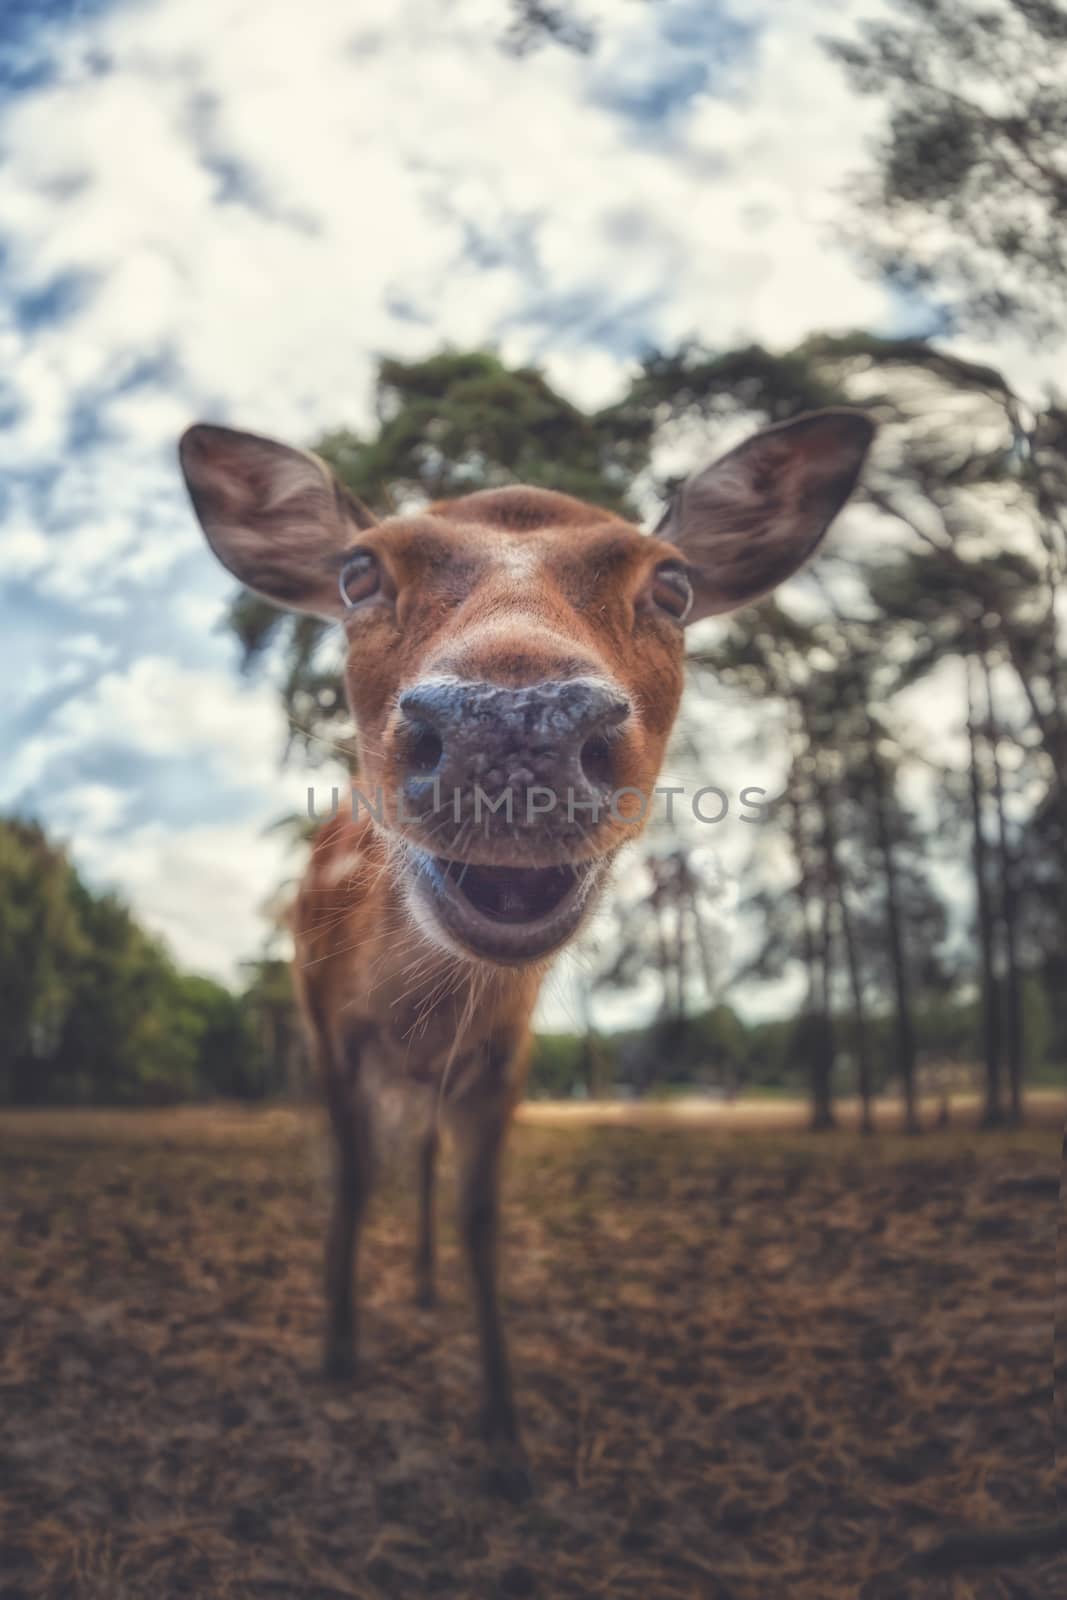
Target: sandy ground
{"x":1043,"y":1107}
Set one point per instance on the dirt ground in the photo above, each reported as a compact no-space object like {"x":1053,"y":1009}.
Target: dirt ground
{"x":752,"y":1363}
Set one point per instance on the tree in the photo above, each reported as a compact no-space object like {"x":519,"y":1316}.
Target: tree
{"x":536,"y":22}
{"x":269,"y":1012}
{"x":1008,"y":903}
{"x":660,"y":932}
{"x":966,"y":204}
{"x":127,"y":1035}
{"x":94,"y":1007}
{"x":990,"y":987}
{"x":41,"y":944}
{"x":967,"y":545}
{"x":213,"y":1022}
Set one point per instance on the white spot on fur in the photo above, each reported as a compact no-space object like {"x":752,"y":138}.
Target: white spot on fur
{"x":517,"y":559}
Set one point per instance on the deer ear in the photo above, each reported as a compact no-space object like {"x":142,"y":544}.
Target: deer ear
{"x":277,"y":518}
{"x":748,"y":521}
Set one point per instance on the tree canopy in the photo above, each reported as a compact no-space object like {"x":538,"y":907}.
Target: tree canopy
{"x":965,"y":204}
{"x":96,"y":1010}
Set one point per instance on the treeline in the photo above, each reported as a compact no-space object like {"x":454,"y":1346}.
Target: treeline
{"x":715,"y":1052}
{"x":95,"y":1011}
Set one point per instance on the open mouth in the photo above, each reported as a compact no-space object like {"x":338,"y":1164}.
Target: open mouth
{"x":506,"y":914}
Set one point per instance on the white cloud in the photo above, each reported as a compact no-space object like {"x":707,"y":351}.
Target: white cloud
{"x":224,"y":730}
{"x":87,"y":647}
{"x":200,"y":613}
{"x":365,"y":175}
{"x":88,"y":809}
{"x":202,"y":890}
{"x":23,"y":552}
{"x":200,"y":885}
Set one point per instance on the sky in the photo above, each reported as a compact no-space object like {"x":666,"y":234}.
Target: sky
{"x":229,"y":209}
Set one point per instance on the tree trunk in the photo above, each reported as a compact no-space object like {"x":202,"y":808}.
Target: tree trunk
{"x":681,"y":940}
{"x":829,"y":795}
{"x":817,"y":959}
{"x":27,"y":1080}
{"x":903,"y":1023}
{"x":993,"y":1114}
{"x":825,"y":1055}
{"x":1013,"y":1020}
{"x":663,"y":1029}
{"x":706,"y":967}
{"x":592,"y":1048}
{"x":859,"y":1011}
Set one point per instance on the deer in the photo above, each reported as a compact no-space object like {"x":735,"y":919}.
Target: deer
{"x":503,"y":646}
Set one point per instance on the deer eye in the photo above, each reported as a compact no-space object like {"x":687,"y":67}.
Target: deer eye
{"x":671,"y":590}
{"x":360,"y":578}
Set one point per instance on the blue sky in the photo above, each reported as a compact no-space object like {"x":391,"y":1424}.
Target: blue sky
{"x":229,"y":211}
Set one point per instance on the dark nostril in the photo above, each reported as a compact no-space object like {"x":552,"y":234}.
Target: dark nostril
{"x":422,"y":703}
{"x":595,"y":758}
{"x":424,"y":749}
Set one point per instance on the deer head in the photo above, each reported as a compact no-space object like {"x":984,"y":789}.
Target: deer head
{"x":515,"y":657}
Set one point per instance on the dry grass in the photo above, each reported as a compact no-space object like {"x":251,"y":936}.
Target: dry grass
{"x":753,"y":1364}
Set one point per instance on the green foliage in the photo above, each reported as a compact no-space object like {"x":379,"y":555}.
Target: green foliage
{"x":557,"y":1066}
{"x":717,"y":1050}
{"x":41,"y":944}
{"x":269,"y":1015}
{"x":95,"y":1009}
{"x":769,"y":1061}
{"x":462,"y":420}
{"x":218,"y":1038}
{"x":100,"y":1014}
{"x":720,"y":1042}
{"x":967,"y":198}
{"x":950,"y":1029}
{"x":121,"y":1031}
{"x":1037,"y":1026}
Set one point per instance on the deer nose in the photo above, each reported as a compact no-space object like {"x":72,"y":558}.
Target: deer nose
{"x":460,"y":735}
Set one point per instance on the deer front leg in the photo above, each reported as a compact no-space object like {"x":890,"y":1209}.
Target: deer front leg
{"x":349,"y":1204}
{"x":479,"y":1130}
{"x":425,"y":1292}
{"x":350,"y":1118}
